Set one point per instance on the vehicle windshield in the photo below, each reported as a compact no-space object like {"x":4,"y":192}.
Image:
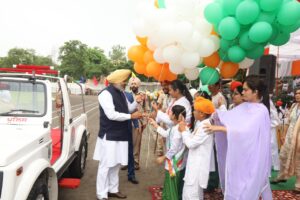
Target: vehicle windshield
{"x":22,"y":98}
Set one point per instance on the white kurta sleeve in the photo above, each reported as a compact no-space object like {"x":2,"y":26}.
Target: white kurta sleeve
{"x":106,"y":102}
{"x":131,"y":106}
{"x":195,"y":139}
{"x":175,"y":145}
{"x":164,"y":117}
{"x":162,"y":131}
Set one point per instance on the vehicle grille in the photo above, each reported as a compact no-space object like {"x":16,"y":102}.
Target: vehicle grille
{"x":1,"y":181}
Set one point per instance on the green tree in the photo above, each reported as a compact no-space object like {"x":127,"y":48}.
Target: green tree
{"x":97,"y":64}
{"x":24,"y":56}
{"x":117,"y":54}
{"x":73,"y":56}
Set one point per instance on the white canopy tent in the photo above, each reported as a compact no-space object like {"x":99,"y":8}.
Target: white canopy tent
{"x":287,"y":54}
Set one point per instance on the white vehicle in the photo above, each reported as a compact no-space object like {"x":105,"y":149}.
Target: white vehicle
{"x":39,"y":139}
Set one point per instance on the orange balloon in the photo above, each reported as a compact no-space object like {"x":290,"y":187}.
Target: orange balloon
{"x":136,"y":53}
{"x":166,"y":74}
{"x":212,"y":60}
{"x":148,"y":57}
{"x":161,"y":76}
{"x":140,"y":68}
{"x":296,"y":68}
{"x":142,"y":41}
{"x":171,"y":77}
{"x":154,"y":69}
{"x":156,"y":3}
{"x":229,"y":69}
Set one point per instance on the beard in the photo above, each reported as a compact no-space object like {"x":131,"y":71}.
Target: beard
{"x":134,"y":89}
{"x":119,"y":87}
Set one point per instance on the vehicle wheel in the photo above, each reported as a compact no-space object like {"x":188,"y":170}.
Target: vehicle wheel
{"x":77,"y":167}
{"x":39,"y":190}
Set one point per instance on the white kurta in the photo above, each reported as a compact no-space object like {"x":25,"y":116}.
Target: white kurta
{"x":111,"y":153}
{"x":275,"y":121}
{"x":174,"y":144}
{"x":164,"y":116}
{"x":200,"y":145}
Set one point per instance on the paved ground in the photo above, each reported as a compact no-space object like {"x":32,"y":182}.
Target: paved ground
{"x":152,"y":174}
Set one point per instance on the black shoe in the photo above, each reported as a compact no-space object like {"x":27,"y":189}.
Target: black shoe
{"x":133,"y":180}
{"x":275,"y":181}
{"x":118,"y":195}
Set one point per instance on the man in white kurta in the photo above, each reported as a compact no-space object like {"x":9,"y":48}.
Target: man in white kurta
{"x":111,"y":152}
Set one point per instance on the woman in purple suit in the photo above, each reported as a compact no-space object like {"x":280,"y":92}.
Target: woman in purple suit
{"x":243,"y":142}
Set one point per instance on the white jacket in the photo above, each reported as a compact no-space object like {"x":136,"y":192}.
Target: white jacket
{"x":200,"y":145}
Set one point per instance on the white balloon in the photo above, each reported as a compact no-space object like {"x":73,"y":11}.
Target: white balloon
{"x":183,"y":30}
{"x":176,"y":69}
{"x":207,"y":47}
{"x":193,"y":43}
{"x":164,"y":35}
{"x":172,"y":54}
{"x":203,"y":26}
{"x":158,"y":56}
{"x":216,"y":41}
{"x":190,"y":60}
{"x":150,"y":45}
{"x":246,"y":63}
{"x":191,"y":74}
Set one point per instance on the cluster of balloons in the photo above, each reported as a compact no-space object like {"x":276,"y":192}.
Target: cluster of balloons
{"x":145,"y":64}
{"x":177,"y":34}
{"x":247,"y":26}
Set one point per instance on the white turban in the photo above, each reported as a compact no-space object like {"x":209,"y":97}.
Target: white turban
{"x":135,"y":80}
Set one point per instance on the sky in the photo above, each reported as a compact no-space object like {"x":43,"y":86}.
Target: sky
{"x":44,"y":25}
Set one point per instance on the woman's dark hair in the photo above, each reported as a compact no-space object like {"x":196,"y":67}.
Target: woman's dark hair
{"x":205,"y":95}
{"x":256,"y":83}
{"x":239,"y":89}
{"x":178,"y":85}
{"x":177,"y":110}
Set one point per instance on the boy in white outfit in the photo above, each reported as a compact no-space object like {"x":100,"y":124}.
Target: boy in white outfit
{"x":200,"y":145}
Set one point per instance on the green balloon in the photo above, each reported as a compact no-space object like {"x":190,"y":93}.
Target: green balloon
{"x":223,"y":55}
{"x":213,"y":13}
{"x":289,"y":14}
{"x":255,"y":53}
{"x":229,"y":28}
{"x":260,"y":32}
{"x":161,"y":4}
{"x":247,"y":12}
{"x":236,"y":54}
{"x":230,"y":6}
{"x":209,"y":76}
{"x":269,"y":5}
{"x":201,"y":65}
{"x":266,"y":17}
{"x":245,"y":42}
{"x":280,"y":39}
{"x":226,"y":44}
{"x":204,"y":88}
{"x":290,"y":29}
